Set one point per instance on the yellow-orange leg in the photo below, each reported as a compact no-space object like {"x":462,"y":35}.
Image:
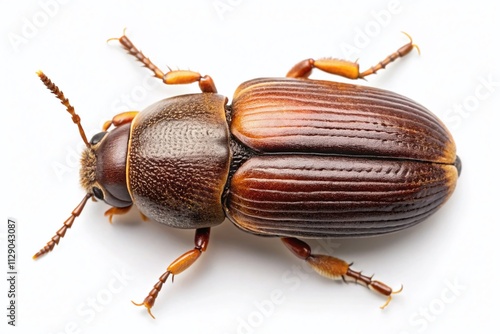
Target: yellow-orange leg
{"x":346,"y":68}
{"x":178,"y":266}
{"x":174,"y":77}
{"x":119,"y":119}
{"x":143,"y":216}
{"x":116,"y":211}
{"x":334,"y":268}
{"x":121,"y":211}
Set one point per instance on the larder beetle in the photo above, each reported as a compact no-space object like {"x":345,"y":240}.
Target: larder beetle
{"x":290,"y":157}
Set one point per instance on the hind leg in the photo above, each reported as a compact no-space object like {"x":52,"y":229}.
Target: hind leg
{"x":334,"y":268}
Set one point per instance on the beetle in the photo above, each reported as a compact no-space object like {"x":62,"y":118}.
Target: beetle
{"x":290,"y":157}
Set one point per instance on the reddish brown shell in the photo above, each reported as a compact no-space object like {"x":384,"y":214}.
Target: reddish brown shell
{"x":178,"y":160}
{"x":310,"y":116}
{"x":336,"y":160}
{"x":326,"y":196}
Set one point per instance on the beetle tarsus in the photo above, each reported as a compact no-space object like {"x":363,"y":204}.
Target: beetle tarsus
{"x":117,"y":38}
{"x":178,"y":266}
{"x":376,"y":286}
{"x":149,"y":301}
{"x":389,"y":298}
{"x":132,"y":50}
{"x":401,"y":52}
{"x":146,"y":304}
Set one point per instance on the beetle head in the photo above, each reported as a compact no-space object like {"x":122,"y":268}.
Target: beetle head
{"x":103,"y":167}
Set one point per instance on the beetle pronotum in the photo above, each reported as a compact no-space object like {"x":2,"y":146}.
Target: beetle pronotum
{"x":290,"y":157}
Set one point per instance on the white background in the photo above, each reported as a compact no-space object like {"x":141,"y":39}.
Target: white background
{"x":449,"y":264}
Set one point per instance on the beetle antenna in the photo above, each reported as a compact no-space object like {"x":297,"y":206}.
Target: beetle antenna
{"x":60,"y":95}
{"x":62,"y":231}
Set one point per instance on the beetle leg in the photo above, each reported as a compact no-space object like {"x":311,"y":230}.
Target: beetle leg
{"x":334,"y":268}
{"x":175,"y":77}
{"x":120,"y":119}
{"x":345,"y":68}
{"x":171,"y":77}
{"x":116,"y":211}
{"x":121,"y":211}
{"x":178,"y":266}
{"x":143,"y":216}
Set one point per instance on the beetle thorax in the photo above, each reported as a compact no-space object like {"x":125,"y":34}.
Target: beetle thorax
{"x":88,"y":169}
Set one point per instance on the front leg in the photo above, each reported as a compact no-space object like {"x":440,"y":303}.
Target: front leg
{"x":120,"y":119}
{"x":121,"y":211}
{"x":178,"y":266}
{"x":116,"y":211}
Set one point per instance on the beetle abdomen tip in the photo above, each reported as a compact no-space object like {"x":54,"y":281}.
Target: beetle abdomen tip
{"x":458,"y":165}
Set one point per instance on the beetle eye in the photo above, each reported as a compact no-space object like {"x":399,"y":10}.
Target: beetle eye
{"x":98,"y":193}
{"x":97,"y":138}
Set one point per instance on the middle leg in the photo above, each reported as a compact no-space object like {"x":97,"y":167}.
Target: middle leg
{"x":345,"y":68}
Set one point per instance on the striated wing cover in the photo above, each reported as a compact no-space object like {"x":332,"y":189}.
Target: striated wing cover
{"x":336,"y":160}
{"x":310,"y":116}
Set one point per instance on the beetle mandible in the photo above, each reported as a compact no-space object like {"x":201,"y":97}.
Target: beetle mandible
{"x":289,"y":157}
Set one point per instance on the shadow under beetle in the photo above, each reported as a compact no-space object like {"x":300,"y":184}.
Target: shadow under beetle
{"x":290,"y":157}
